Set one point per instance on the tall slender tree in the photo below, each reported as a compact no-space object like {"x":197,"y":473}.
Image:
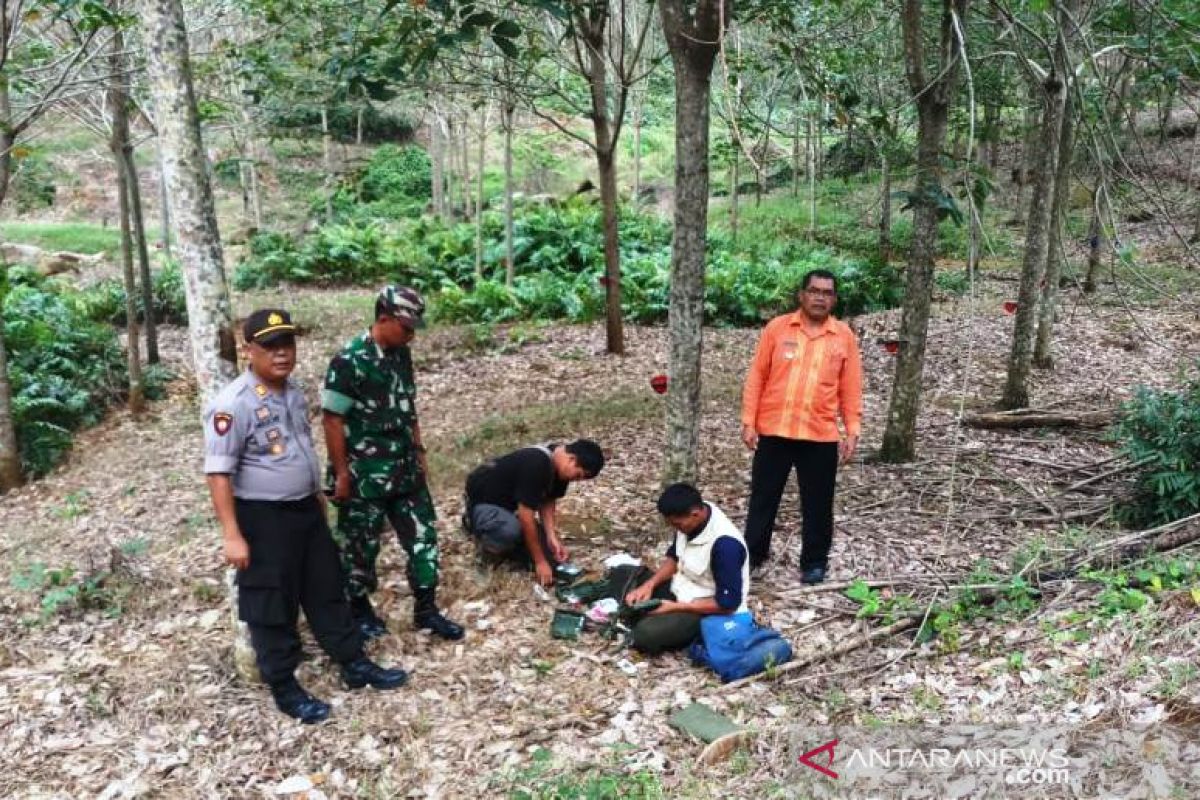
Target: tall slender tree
{"x":1041,"y":225}
{"x":198,"y":241}
{"x":693,"y":32}
{"x":931,"y":80}
{"x":118,"y":100}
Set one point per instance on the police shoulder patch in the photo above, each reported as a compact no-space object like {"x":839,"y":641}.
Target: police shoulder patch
{"x":222,"y":422}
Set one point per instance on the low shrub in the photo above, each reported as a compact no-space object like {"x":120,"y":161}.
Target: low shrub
{"x":1161,"y":430}
{"x":105,"y":301}
{"x":394,"y":184}
{"x":64,"y":369}
{"x":34,"y":179}
{"x":350,"y":253}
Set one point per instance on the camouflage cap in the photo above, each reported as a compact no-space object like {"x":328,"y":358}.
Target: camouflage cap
{"x":402,"y":302}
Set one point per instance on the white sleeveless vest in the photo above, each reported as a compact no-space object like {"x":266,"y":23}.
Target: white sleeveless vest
{"x":693,"y":579}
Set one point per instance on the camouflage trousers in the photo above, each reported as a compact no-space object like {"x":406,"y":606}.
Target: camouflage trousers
{"x":360,"y":524}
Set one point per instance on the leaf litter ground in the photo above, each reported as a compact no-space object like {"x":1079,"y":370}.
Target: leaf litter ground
{"x":126,"y":688}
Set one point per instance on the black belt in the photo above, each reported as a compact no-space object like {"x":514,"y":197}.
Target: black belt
{"x":282,"y":505}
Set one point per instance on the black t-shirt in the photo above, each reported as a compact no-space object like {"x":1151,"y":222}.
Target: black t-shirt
{"x":523,"y":477}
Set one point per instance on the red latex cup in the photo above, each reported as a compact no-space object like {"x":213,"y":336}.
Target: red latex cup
{"x":1010,"y":306}
{"x":659,"y":384}
{"x":892,"y":346}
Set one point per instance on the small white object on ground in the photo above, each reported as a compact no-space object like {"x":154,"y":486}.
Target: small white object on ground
{"x":622,"y":560}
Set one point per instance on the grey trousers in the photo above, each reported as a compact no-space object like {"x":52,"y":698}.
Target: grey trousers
{"x":499,"y":533}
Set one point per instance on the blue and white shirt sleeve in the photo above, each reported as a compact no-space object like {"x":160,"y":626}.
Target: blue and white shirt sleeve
{"x":728,"y":556}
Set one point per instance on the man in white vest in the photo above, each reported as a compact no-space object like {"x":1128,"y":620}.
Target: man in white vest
{"x":706,"y":571}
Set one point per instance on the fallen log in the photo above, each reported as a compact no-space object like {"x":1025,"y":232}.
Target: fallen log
{"x":1035,"y":418}
{"x":1161,"y":539}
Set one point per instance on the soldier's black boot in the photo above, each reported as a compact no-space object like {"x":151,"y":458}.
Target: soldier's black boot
{"x":365,"y":618}
{"x":427,"y":617}
{"x":362,"y":671}
{"x":292,"y":700}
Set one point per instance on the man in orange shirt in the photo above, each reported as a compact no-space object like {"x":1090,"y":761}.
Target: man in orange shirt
{"x":806,"y":372}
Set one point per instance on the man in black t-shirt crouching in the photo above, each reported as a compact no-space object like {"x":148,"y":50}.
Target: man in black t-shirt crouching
{"x":510,"y":502}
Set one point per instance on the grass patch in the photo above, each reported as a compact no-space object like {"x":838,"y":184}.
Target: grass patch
{"x":312,"y":311}
{"x":63,"y":139}
{"x":1147,"y":283}
{"x":848,"y":219}
{"x":77,"y":237}
{"x":542,"y":779}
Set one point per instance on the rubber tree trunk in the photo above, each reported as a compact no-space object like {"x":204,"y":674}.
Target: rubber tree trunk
{"x":820,"y":154}
{"x":606,"y":165}
{"x":1038,"y":231}
{"x":1028,"y":165}
{"x":885,"y":208}
{"x":437,"y":160}
{"x":190,"y":201}
{"x":119,"y":145}
{"x":796,"y":153}
{"x":510,"y":267}
{"x":10,"y":453}
{"x":637,"y":149}
{"x":1043,"y":356}
{"x":164,"y":214}
{"x":483,"y":124}
{"x":451,"y":165}
{"x":464,"y":183}
{"x":933,"y":100}
{"x":137,"y":221}
{"x":991,"y":142}
{"x":692,"y":39}
{"x":810,"y":162}
{"x":1095,"y":243}
{"x":327,"y":163}
{"x":735,"y":179}
{"x":974,"y":240}
{"x":761,"y":163}
{"x":255,"y":185}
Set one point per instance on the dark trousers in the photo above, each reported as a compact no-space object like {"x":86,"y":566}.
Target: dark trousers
{"x":816,"y":471}
{"x":661,"y":632}
{"x":293,"y":565}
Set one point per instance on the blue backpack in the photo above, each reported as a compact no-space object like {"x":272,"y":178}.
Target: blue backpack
{"x":733,"y":646}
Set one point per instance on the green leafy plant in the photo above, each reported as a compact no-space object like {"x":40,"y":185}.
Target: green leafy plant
{"x":34,"y":179}
{"x":61,"y":590}
{"x":559,"y":266}
{"x":105,"y":301}
{"x":868,"y":599}
{"x":1160,"y":430}
{"x":64,"y":369}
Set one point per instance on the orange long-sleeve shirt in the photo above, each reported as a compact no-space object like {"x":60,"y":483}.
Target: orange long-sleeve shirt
{"x":799,"y":382}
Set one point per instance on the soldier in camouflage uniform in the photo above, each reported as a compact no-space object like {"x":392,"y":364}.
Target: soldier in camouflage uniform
{"x":377,"y":462}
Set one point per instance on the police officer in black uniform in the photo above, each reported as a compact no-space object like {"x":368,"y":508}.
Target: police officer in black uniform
{"x":264,"y":479}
